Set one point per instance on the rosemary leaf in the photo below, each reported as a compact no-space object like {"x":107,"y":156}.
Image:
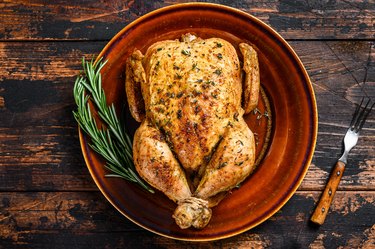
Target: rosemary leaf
{"x":112,"y":142}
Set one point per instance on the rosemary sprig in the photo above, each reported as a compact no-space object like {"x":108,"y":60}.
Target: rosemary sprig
{"x":112,"y":143}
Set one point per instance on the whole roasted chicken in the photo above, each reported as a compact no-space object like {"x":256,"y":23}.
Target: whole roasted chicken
{"x":193,"y":144}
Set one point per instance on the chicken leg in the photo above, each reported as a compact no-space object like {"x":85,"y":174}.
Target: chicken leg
{"x":156,"y":163}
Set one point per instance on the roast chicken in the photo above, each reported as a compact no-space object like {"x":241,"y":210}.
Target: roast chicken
{"x":193,"y":144}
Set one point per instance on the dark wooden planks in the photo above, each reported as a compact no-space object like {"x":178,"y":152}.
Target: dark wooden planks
{"x":86,"y":219}
{"x":342,"y":72}
{"x":101,"y":20}
{"x":47,"y":197}
{"x":45,"y":61}
{"x":39,"y":148}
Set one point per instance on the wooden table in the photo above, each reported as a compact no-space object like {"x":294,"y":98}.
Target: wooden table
{"x":47,"y":197}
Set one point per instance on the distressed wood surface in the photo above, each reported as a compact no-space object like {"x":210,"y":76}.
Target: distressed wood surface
{"x":47,"y":197}
{"x":86,"y":220}
{"x":100,"y":20}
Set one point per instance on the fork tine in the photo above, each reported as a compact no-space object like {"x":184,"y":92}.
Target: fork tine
{"x":356,"y":115}
{"x":366,"y":113}
{"x":360,"y":116}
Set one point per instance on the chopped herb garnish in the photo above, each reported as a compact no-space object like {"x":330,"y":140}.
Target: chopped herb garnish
{"x":208,"y":83}
{"x":186,"y":52}
{"x":218,"y":71}
{"x":179,"y":114}
{"x":179,"y":95}
{"x":196,"y":93}
{"x":197,"y":109}
{"x":219,"y":45}
{"x":170,"y":95}
{"x":159,"y":49}
{"x":160,"y":109}
{"x":194,"y":67}
{"x":220,"y":56}
{"x":223,"y":165}
{"x":157,"y":65}
{"x":175,"y":67}
{"x":178,"y":76}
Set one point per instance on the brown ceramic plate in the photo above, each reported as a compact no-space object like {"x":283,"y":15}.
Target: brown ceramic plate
{"x":291,"y":139}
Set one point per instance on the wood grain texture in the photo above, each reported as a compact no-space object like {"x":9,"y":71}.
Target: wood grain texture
{"x":100,"y":20}
{"x":39,"y":146}
{"x":47,"y":197}
{"x":86,"y":220}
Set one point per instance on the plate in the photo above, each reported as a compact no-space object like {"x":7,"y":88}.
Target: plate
{"x":285,"y":157}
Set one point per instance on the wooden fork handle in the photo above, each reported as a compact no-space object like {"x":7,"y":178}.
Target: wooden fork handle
{"x":324,"y":203}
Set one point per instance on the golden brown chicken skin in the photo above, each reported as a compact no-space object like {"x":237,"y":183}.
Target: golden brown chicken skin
{"x":193,"y":144}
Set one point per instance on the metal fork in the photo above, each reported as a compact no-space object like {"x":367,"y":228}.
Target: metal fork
{"x":350,"y":140}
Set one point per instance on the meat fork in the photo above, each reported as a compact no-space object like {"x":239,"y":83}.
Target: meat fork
{"x":350,"y":140}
